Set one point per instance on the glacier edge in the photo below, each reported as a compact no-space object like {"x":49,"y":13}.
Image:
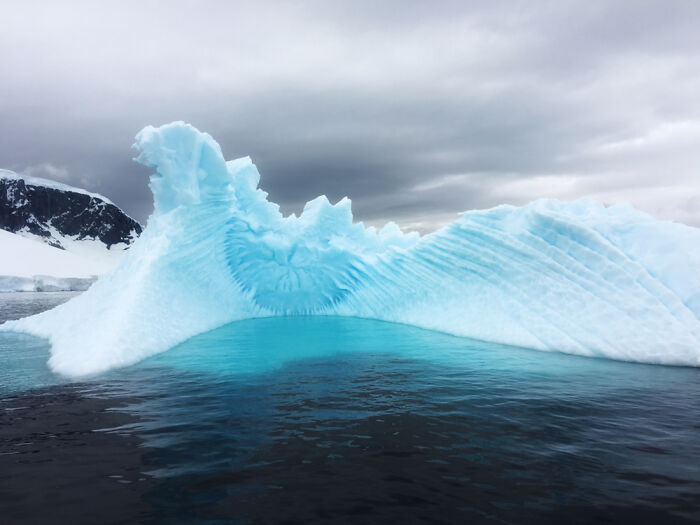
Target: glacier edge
{"x":576,"y":277}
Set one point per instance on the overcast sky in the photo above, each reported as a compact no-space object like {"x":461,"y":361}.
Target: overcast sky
{"x":415,"y":110}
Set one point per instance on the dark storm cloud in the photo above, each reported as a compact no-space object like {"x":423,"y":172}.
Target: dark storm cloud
{"x":415,"y":110}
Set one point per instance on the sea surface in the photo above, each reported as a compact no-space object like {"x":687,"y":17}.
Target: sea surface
{"x":344,"y":420}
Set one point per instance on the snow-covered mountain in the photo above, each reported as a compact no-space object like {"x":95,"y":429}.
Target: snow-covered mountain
{"x":60,"y":215}
{"x":57,"y":236}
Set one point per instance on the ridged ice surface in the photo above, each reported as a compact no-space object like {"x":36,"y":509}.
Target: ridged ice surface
{"x":578,"y":278}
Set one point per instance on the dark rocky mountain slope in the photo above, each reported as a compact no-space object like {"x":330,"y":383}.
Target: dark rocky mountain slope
{"x":52,"y":212}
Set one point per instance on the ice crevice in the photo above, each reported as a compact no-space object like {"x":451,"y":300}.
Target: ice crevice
{"x":576,"y":277}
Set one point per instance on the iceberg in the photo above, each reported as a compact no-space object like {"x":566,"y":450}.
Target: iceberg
{"x":579,"y":277}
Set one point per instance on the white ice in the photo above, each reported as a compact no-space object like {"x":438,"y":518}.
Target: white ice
{"x":27,"y":265}
{"x":580,"y":277}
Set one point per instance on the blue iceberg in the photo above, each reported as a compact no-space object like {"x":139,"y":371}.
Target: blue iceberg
{"x":579,"y":277}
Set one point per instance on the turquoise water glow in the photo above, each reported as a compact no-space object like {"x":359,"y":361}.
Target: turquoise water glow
{"x":368,"y":420}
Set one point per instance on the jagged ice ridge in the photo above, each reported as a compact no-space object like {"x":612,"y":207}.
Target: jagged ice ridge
{"x":579,"y":278}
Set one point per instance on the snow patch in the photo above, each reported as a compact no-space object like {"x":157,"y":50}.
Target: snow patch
{"x":32,"y":266}
{"x":23,"y":257}
{"x":38,"y":181}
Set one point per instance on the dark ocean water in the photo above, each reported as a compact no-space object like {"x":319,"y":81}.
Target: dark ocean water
{"x":343,"y":420}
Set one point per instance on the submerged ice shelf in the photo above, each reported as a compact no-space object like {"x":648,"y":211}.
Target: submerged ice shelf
{"x":579,"y":278}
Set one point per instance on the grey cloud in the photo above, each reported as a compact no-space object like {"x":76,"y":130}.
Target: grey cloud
{"x":373,"y":100}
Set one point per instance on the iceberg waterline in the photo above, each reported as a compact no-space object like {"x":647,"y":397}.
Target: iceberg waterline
{"x":576,"y":277}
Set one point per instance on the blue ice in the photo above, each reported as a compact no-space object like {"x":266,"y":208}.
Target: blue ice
{"x":579,"y":277}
